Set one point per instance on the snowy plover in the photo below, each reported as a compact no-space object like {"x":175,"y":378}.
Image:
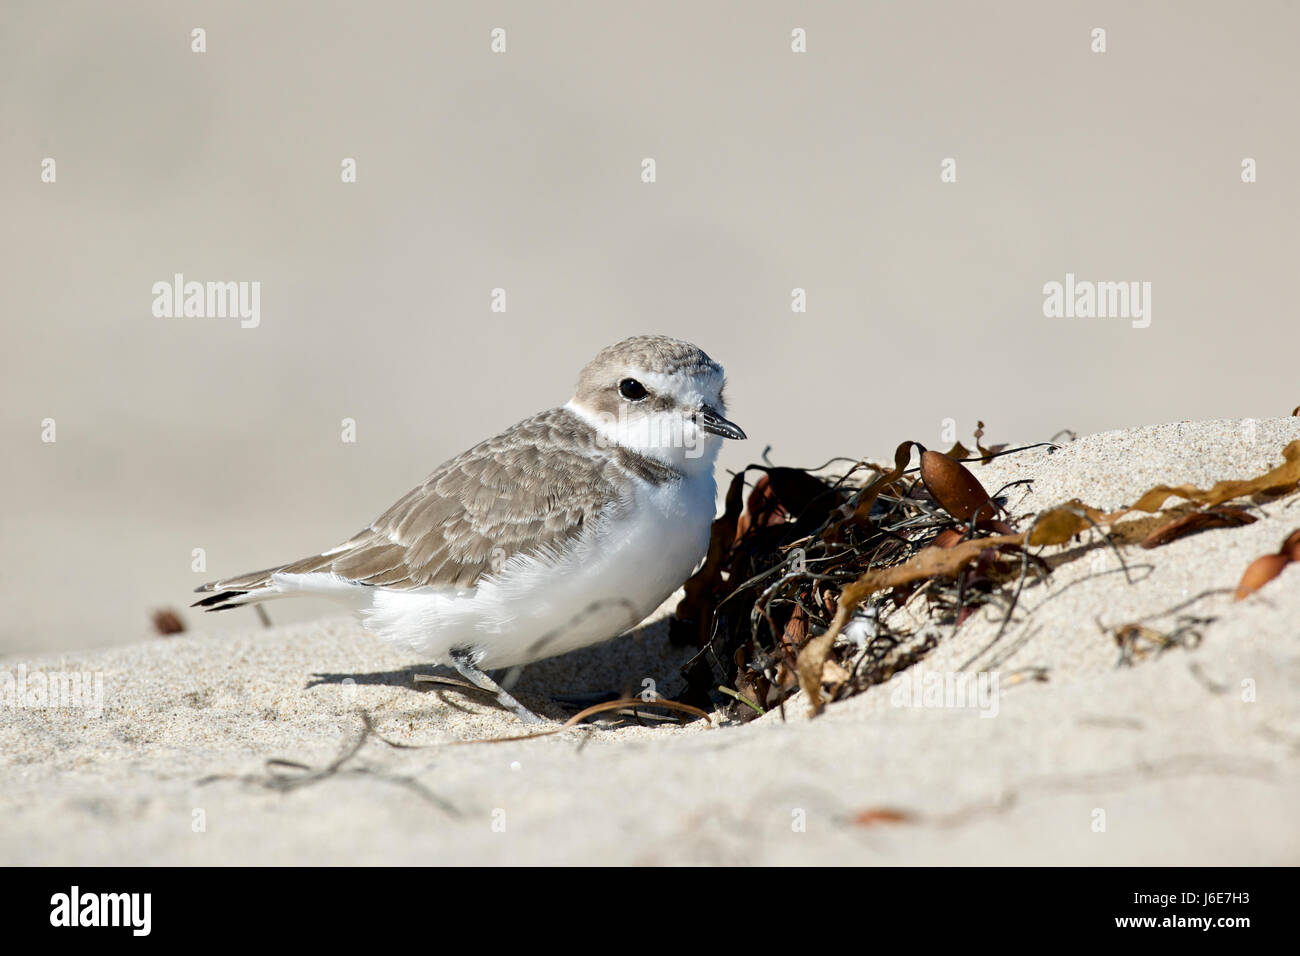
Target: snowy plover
{"x":565,"y":530}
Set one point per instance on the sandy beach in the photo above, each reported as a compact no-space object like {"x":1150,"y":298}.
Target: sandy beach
{"x":209,"y":744}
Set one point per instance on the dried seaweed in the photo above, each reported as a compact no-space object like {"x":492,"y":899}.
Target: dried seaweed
{"x":797,"y":585}
{"x":1215,"y":517}
{"x":1137,"y":641}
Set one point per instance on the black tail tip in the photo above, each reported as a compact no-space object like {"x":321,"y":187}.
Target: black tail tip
{"x":217,"y":602}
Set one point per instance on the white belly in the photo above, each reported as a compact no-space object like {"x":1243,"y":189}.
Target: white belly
{"x":619,"y":572}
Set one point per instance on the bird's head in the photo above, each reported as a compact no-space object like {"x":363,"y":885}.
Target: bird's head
{"x":659,"y":396}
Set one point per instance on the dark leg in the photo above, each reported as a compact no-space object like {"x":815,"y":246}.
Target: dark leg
{"x":464,"y":663}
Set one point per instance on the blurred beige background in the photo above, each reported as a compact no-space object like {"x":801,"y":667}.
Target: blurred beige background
{"x":522,"y":170}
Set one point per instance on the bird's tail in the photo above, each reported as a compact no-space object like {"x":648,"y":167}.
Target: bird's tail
{"x":251,"y":588}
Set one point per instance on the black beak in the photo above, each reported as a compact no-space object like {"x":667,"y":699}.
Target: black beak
{"x":711,"y":421}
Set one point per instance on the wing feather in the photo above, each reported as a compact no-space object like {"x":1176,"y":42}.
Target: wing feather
{"x":531,"y":489}
{"x":501,"y":498}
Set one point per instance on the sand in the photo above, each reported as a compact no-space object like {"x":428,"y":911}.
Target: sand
{"x":1189,"y":756}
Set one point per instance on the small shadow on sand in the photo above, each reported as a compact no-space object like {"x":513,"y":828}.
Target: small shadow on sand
{"x":627,"y":665}
{"x":399,"y":678}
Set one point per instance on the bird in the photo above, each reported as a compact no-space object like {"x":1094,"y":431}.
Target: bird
{"x":565,"y":530}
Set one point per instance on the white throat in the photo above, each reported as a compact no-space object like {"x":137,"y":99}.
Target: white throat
{"x":672,"y":438}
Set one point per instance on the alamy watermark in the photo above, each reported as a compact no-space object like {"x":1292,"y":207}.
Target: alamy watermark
{"x":130,"y":910}
{"x":1084,"y":299}
{"x":55,"y":690}
{"x":179,"y":299}
{"x":643,"y":429}
{"x":951,"y":690}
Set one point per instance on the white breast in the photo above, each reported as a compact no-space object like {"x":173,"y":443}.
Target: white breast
{"x":621,"y":568}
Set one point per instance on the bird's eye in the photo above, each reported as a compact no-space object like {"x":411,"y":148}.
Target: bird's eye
{"x":632,"y":390}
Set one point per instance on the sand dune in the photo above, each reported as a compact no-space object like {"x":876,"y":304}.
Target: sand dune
{"x":1189,"y":756}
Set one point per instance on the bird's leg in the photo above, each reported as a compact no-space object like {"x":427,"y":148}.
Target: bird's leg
{"x":465,"y":665}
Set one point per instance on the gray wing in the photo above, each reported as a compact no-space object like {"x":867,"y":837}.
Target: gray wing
{"x":529,"y":489}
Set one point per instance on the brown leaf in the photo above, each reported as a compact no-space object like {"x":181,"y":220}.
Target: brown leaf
{"x":1261,"y":571}
{"x":1291,"y":546}
{"x":811,"y":663}
{"x":166,"y":622}
{"x":1059,"y":525}
{"x":796,"y":631}
{"x":876,"y":816}
{"x":1217,"y":517}
{"x":1282,"y":478}
{"x":762,"y":508}
{"x":930,"y":562}
{"x":869,"y":494}
{"x":949,"y":537}
{"x":955,"y":488}
{"x":701,"y":588}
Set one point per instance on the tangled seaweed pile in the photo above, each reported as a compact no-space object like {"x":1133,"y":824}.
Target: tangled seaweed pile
{"x":797,"y":573}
